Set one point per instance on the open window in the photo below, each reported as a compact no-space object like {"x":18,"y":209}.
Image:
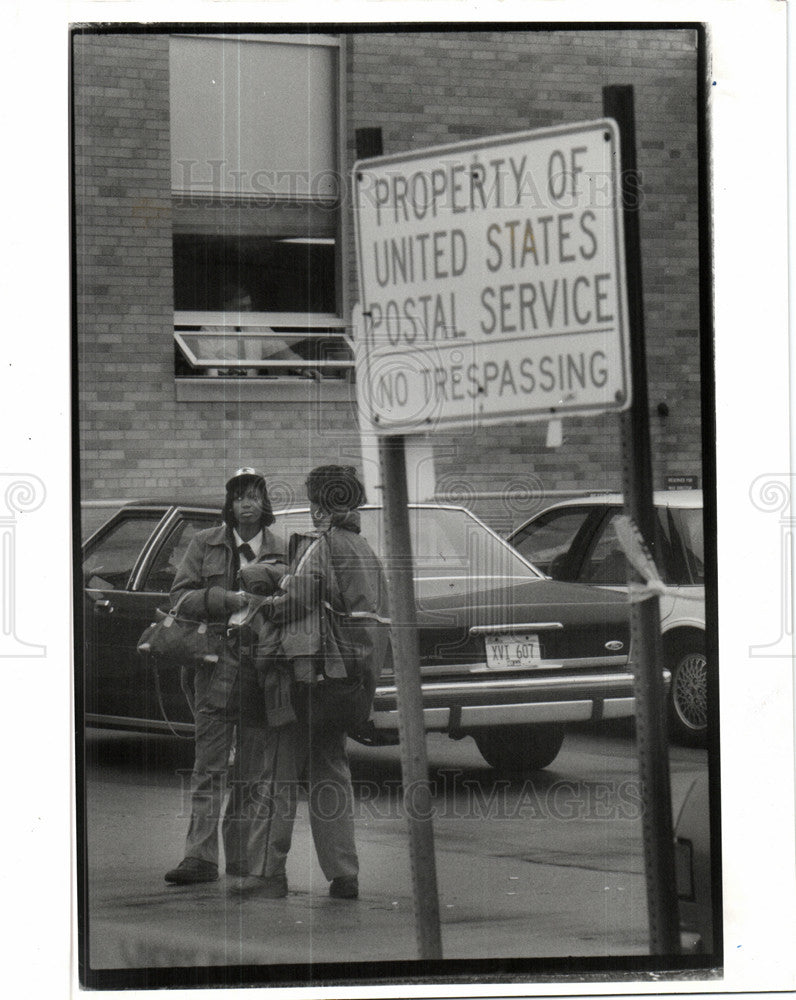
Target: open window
{"x":109,"y":563}
{"x":256,"y":198}
{"x":160,"y":574}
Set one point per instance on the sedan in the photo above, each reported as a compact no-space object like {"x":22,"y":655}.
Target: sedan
{"x":576,"y":541}
{"x":507,"y":655}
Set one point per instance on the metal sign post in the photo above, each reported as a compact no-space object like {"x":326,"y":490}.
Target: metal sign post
{"x":406,"y":658}
{"x":645,"y":616}
{"x":492,"y":278}
{"x":411,"y":725}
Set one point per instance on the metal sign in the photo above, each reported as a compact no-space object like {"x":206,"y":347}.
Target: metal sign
{"x":492,"y":281}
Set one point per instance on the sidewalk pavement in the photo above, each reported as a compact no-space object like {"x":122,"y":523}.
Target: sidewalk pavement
{"x":495,"y":907}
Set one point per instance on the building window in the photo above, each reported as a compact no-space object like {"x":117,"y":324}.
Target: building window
{"x":256,"y":207}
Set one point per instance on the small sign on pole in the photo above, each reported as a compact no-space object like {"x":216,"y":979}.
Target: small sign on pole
{"x":492,"y":281}
{"x":682,"y":482}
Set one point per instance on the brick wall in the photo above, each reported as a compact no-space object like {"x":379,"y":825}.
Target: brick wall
{"x":432,"y":88}
{"x":136,"y":439}
{"x":123,"y":258}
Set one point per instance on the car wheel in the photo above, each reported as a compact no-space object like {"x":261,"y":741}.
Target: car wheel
{"x":516,"y":750}
{"x":688,"y":695}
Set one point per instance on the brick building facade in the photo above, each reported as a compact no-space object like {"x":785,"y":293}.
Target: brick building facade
{"x":144,"y":432}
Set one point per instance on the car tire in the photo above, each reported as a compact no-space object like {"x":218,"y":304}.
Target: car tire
{"x":518,"y":750}
{"x":688,"y":694}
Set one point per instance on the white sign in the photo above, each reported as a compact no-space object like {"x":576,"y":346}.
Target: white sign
{"x":492,"y":281}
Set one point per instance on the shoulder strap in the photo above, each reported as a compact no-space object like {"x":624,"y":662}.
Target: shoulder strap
{"x":176,"y":607}
{"x":159,"y":694}
{"x":295,"y":570}
{"x":333,"y":570}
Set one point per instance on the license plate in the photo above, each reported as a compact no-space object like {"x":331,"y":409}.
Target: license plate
{"x":519,"y":649}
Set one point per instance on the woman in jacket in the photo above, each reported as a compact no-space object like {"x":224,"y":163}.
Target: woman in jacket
{"x":226,"y":697}
{"x":333,"y":565}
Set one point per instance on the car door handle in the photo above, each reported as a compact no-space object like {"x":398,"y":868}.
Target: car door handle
{"x":105,"y":606}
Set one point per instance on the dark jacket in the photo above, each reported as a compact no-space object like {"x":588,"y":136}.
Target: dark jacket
{"x":337,"y":567}
{"x":210,"y":568}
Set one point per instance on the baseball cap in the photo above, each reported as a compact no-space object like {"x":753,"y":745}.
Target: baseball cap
{"x":245,"y":475}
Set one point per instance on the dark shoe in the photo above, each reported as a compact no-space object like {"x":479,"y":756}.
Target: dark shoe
{"x":344,"y":887}
{"x":266,"y":887}
{"x":192,"y":870}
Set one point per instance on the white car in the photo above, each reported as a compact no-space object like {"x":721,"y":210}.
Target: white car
{"x":576,"y":540}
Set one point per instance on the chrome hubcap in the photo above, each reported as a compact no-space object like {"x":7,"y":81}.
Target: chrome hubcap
{"x":691,"y":690}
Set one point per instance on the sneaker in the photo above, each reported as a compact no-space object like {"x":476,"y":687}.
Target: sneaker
{"x":266,"y":887}
{"x":344,"y":887}
{"x":192,"y":870}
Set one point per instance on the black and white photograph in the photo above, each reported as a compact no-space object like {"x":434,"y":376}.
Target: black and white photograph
{"x":402,"y":548}
{"x":423,"y":315}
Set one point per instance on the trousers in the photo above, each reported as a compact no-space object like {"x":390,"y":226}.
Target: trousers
{"x":290,"y":756}
{"x":217,"y":730}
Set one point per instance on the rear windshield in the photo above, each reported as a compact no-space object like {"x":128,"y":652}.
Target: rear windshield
{"x":443,"y":541}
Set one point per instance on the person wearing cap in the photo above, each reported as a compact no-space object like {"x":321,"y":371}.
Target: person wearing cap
{"x":333,"y":564}
{"x":225,"y":697}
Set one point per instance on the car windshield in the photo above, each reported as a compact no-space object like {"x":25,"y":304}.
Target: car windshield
{"x":445,"y":541}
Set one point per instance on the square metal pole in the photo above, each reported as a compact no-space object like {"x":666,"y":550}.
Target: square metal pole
{"x":645,"y":642}
{"x":406,"y":657}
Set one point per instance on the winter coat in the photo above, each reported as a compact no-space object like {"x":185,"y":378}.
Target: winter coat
{"x":336,"y":569}
{"x":209,"y":569}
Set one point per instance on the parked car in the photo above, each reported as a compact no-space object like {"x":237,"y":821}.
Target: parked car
{"x":507,"y":656}
{"x":693,"y":869}
{"x":575,"y":540}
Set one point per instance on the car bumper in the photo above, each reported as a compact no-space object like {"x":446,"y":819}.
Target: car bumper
{"x":458,"y":707}
{"x":462,"y":706}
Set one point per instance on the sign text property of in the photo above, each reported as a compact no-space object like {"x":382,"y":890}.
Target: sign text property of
{"x":492,"y":280}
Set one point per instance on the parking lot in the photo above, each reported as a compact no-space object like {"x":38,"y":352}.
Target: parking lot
{"x":545,"y":867}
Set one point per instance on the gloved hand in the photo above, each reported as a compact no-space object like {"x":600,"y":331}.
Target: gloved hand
{"x":261,"y":578}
